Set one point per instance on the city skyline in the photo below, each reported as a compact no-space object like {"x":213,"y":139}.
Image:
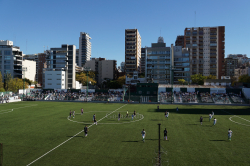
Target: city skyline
{"x":40,"y":24}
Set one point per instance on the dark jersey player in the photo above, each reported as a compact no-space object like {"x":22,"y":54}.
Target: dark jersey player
{"x":86,"y":131}
{"x":165,"y":134}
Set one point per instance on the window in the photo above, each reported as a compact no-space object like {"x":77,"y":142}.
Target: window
{"x":7,"y":52}
{"x":49,"y":83}
{"x":58,"y":74}
{"x":7,"y":67}
{"x":0,"y":52}
{"x":58,"y":79}
{"x":58,"y":84}
{"x":49,"y":79}
{"x":6,"y":62}
{"x":6,"y":57}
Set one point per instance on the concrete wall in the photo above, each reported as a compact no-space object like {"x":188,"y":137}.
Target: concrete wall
{"x":54,"y":80}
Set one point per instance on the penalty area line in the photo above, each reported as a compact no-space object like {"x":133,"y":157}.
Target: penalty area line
{"x":72,"y":137}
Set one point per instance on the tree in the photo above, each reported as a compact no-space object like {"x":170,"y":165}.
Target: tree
{"x":7,"y":78}
{"x":141,"y":75}
{"x":82,"y":78}
{"x":28,"y":81}
{"x":1,"y":81}
{"x":211,"y":77}
{"x":121,"y":80}
{"x":181,"y":81}
{"x":198,"y":79}
{"x":244,"y":79}
{"x":15,"y":84}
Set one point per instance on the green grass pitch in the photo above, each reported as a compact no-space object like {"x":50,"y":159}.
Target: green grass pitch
{"x":34,"y":128}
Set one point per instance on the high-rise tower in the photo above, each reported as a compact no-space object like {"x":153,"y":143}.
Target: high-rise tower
{"x":207,"y":50}
{"x":84,"y":49}
{"x":132,"y":51}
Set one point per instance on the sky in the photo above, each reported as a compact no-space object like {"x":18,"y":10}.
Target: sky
{"x":35,"y":24}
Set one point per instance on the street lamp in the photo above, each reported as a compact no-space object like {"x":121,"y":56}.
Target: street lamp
{"x":24,"y":69}
{"x":87,"y":69}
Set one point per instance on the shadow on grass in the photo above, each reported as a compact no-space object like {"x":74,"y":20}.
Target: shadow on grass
{"x":130,"y":141}
{"x":217,"y":140}
{"x":202,"y":110}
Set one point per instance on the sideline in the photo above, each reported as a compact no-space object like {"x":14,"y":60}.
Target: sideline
{"x":72,"y":137}
{"x":12,"y":109}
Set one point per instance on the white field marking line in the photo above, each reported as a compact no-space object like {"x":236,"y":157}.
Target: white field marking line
{"x":237,"y":117}
{"x":109,"y":123}
{"x":70,"y":138}
{"x":12,"y":109}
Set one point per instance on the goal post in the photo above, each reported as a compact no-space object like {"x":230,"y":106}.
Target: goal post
{"x":1,"y":154}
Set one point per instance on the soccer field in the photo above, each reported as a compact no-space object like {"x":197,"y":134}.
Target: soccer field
{"x":40,"y":133}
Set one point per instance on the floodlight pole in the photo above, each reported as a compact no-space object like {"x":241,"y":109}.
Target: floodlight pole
{"x":159,"y":152}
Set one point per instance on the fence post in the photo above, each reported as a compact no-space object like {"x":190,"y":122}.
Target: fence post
{"x":1,"y":154}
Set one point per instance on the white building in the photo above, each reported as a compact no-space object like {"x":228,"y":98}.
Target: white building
{"x":54,"y":79}
{"x":84,"y":49}
{"x":30,"y":73}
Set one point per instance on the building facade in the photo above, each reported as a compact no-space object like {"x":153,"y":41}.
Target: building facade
{"x":181,"y":64}
{"x":105,"y":69}
{"x":63,"y":59}
{"x":143,"y":60}
{"x":84,"y":49}
{"x":41,"y":64}
{"x":132,"y":51}
{"x":10,"y":59}
{"x":30,"y":73}
{"x":230,"y":65}
{"x":54,"y":79}
{"x":207,"y":49}
{"x":179,"y":41}
{"x":158,"y":62}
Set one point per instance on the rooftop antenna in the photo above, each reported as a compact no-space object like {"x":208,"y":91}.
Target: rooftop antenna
{"x":43,"y":48}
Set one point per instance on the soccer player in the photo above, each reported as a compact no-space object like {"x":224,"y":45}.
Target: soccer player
{"x":82,"y":110}
{"x":229,"y":134}
{"x":74,"y":114}
{"x":95,"y":122}
{"x":177,"y":109}
{"x":158,"y":108}
{"x":215,"y":120}
{"x":132,"y":116}
{"x":210,"y":117}
{"x":165,"y":134}
{"x":201,"y":119}
{"x":143,"y":133}
{"x":119,"y":116}
{"x":212,"y":113}
{"x":94,"y":117}
{"x":86,"y":131}
{"x":127,"y":114}
{"x":70,"y":114}
{"x":167,"y":114}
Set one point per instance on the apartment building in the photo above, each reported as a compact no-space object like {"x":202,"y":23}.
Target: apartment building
{"x":179,"y":41}
{"x":132,"y":51}
{"x":181,"y":63}
{"x":105,"y":69}
{"x":84,"y":49}
{"x":207,"y":49}
{"x":158,"y":62}
{"x":62,"y":59}
{"x":10,"y":59}
{"x":230,"y":65}
{"x":241,"y":71}
{"x":242,"y":58}
{"x":143,"y":60}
